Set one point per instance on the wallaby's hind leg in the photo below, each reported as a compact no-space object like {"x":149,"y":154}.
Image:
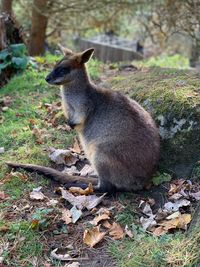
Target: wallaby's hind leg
{"x":104,"y":184}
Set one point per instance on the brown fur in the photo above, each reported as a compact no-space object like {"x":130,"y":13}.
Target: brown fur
{"x":118,"y":136}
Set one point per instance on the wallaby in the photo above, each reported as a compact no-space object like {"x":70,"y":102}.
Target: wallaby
{"x":119,"y":137}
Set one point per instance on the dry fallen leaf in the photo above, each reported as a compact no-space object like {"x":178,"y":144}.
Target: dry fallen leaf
{"x":175,"y":196}
{"x":2,"y":195}
{"x":62,"y":156}
{"x":74,"y":264}
{"x":93,"y":236}
{"x":19,"y":175}
{"x":145,"y":207}
{"x":159,"y":231}
{"x":87,"y":170}
{"x":38,"y":134}
{"x":99,"y":218}
{"x":161,"y":214}
{"x":76,"y":148}
{"x":172,"y":207}
{"x":66,"y":216}
{"x":128,"y":232}
{"x":61,"y":257}
{"x":116,"y":231}
{"x":36,"y":194}
{"x":195,"y":195}
{"x":81,"y":202}
{"x":107,"y":225}
{"x":77,"y":190}
{"x":173,"y":215}
{"x":71,"y":170}
{"x":148,"y":223}
{"x":180,"y":222}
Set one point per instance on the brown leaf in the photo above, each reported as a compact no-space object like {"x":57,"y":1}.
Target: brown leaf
{"x":107,"y":225}
{"x":81,"y":202}
{"x":38,"y":134}
{"x":62,"y":156}
{"x":93,"y":236}
{"x":159,"y":231}
{"x":4,"y":228}
{"x":180,"y":222}
{"x":116,"y":231}
{"x":66,"y":216}
{"x":99,"y":218}
{"x":77,"y":190}
{"x":76,"y":148}
{"x":2,"y":195}
{"x":35,"y":223}
{"x":36,"y":194}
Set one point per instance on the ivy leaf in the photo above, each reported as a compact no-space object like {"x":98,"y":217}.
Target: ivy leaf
{"x":18,"y":50}
{"x":19,"y":62}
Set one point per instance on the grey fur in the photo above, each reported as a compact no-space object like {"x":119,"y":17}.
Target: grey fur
{"x":119,"y":137}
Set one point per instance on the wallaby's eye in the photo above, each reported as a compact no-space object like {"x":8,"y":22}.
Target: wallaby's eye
{"x":60,"y":71}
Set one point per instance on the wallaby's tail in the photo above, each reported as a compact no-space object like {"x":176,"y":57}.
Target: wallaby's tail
{"x":60,"y":177}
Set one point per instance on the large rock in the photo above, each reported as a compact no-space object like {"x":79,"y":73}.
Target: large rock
{"x":173,"y":98}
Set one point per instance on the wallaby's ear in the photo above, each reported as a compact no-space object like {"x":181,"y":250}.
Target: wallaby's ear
{"x":65,"y":50}
{"x":85,"y":55}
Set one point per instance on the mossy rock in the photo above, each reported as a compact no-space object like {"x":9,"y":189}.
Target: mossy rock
{"x":173,"y":98}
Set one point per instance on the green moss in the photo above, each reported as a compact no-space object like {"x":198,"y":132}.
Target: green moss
{"x":172,"y":95}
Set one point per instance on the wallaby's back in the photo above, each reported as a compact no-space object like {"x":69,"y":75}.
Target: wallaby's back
{"x":121,"y":140}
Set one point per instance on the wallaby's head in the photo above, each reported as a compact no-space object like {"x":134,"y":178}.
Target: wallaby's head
{"x":69,"y":67}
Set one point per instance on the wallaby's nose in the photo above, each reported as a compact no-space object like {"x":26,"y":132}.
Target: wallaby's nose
{"x":48,"y":79}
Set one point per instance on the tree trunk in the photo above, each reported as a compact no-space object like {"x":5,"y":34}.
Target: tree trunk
{"x":2,"y":34}
{"x":38,"y":28}
{"x":195,"y":54}
{"x":6,"y":6}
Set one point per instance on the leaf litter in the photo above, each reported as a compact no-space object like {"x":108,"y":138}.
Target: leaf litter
{"x":82,"y":203}
{"x":174,"y":214}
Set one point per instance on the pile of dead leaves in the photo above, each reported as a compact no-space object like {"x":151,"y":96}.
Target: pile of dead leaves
{"x":84,"y":204}
{"x":176,"y":214}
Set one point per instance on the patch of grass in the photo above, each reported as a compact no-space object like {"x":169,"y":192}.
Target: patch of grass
{"x":128,"y":213}
{"x":160,"y":178}
{"x":176,"y":61}
{"x":95,"y":68}
{"x":24,"y":241}
{"x":17,"y":187}
{"x":148,"y":251}
{"x":29,"y":93}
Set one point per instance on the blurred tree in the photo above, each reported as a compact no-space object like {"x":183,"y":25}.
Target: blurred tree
{"x":39,"y":22}
{"x":164,"y":18}
{"x":6,"y":6}
{"x":50,"y":17}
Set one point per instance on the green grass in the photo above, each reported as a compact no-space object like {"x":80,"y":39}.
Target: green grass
{"x":176,"y":61}
{"x":148,"y":251}
{"x":29,"y":92}
{"x":24,"y":241}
